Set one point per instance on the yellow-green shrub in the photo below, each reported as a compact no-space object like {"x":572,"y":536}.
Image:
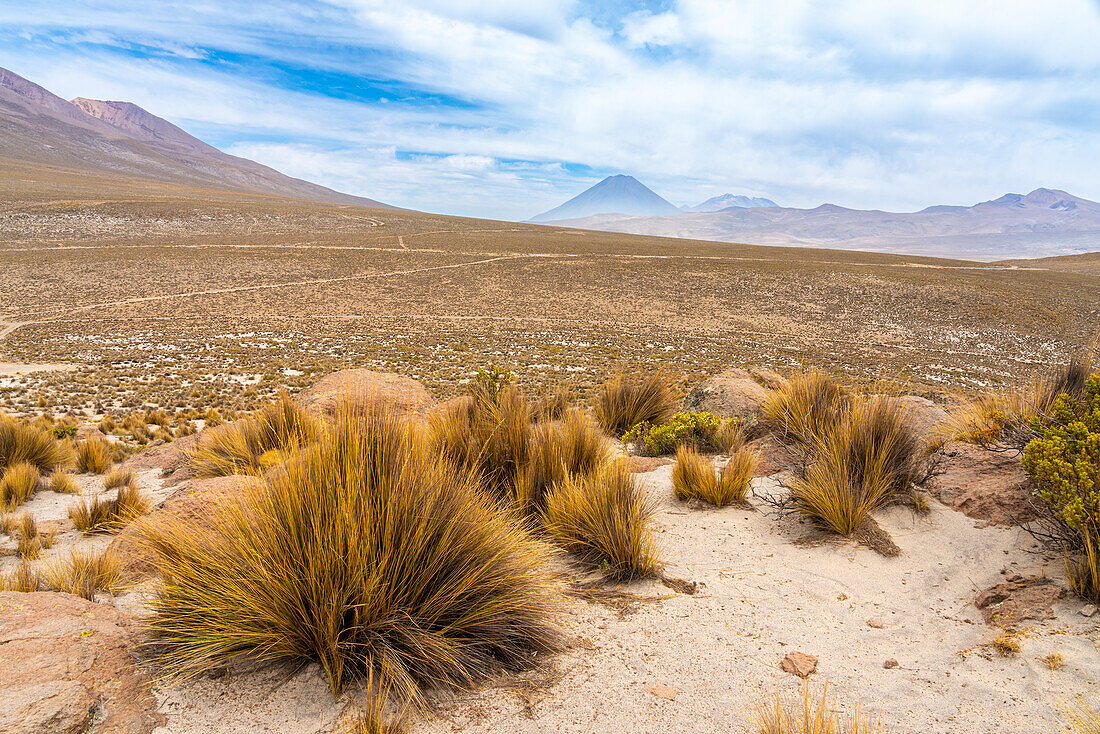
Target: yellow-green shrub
{"x":699,"y":430}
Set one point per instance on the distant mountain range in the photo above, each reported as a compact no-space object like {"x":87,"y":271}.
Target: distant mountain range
{"x":1044,"y":223}
{"x":121,"y":138}
{"x":726,"y":201}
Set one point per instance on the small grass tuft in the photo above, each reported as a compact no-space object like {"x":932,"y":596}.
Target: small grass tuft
{"x":693,"y":477}
{"x":623,"y":402}
{"x":24,"y":578}
{"x":808,"y":405}
{"x":1054,"y":661}
{"x":735,"y":479}
{"x":810,"y":714}
{"x":1007,"y":643}
{"x":93,"y":456}
{"x":118,"y":477}
{"x":63,"y":482}
{"x":109,"y":516}
{"x":18,"y":483}
{"x":30,"y":542}
{"x":605,"y":519}
{"x":83,"y":573}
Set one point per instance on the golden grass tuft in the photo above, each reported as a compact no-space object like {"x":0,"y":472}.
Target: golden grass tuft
{"x":1084,"y":572}
{"x":693,"y":477}
{"x":364,"y":553}
{"x":83,"y":573}
{"x":109,"y":516}
{"x":570,"y":446}
{"x":623,"y":402}
{"x":30,"y":542}
{"x":735,"y":479}
{"x":236,"y":448}
{"x":33,"y":444}
{"x":118,"y":477}
{"x":805,"y":407}
{"x":1007,"y":643}
{"x":605,"y":519}
{"x":93,"y":456}
{"x":554,"y":405}
{"x":1080,"y":716}
{"x":63,"y":482}
{"x":23,"y":578}
{"x":1054,"y":661}
{"x":17,"y":484}
{"x":810,"y":714}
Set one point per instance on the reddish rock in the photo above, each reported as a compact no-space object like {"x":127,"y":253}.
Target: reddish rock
{"x":799,"y":663}
{"x":927,"y":417}
{"x":984,"y":485}
{"x":772,"y":456}
{"x":890,"y":664}
{"x":731,"y":394}
{"x":1007,"y":605}
{"x":365,"y":385}
{"x":644,"y":464}
{"x":65,"y":661}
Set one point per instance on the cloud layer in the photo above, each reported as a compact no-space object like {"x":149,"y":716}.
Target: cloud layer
{"x":501,"y":109}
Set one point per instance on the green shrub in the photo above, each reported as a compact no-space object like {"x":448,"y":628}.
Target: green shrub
{"x":1064,"y":462}
{"x":699,"y":430}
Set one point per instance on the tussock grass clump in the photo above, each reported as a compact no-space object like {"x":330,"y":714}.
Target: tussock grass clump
{"x":693,"y":477}
{"x":83,"y":573}
{"x":809,"y":404}
{"x":30,"y":542}
{"x":1007,"y":643}
{"x":24,"y":578}
{"x":810,"y":714}
{"x":63,"y":482}
{"x":236,"y":448}
{"x":363,"y":552}
{"x":93,"y":456}
{"x":109,"y":516}
{"x":623,"y":402}
{"x":605,"y":519}
{"x":118,"y":477}
{"x":865,"y":459}
{"x":554,"y":405}
{"x":31,"y":444}
{"x":17,"y":484}
{"x":560,"y":449}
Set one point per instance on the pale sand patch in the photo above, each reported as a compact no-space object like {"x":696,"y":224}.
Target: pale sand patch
{"x":14,"y":369}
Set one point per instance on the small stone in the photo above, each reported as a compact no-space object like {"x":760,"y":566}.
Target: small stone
{"x":876,"y":623}
{"x":1088,"y":610}
{"x":799,"y":663}
{"x":661,"y":691}
{"x":891,"y":663}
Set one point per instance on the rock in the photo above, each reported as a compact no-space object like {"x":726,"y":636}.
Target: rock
{"x":890,"y":664}
{"x":1006,"y":605}
{"x":169,"y":458}
{"x":927,"y":417}
{"x":365,"y":385}
{"x":65,"y":661}
{"x":731,"y":394}
{"x":876,"y":623}
{"x":646,"y":464}
{"x":1088,"y":610}
{"x":769,"y":378}
{"x":799,"y":663}
{"x":984,"y":485}
{"x":192,"y":502}
{"x":772,"y":456}
{"x":85,"y":431}
{"x":666,"y":692}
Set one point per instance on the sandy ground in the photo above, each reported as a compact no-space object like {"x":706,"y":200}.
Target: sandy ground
{"x":762,"y":594}
{"x":13,"y":369}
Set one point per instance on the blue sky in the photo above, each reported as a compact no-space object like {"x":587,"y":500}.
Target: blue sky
{"x":500,"y":108}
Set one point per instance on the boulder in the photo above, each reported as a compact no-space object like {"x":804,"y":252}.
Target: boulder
{"x":64,"y":663}
{"x":984,"y":485}
{"x":365,"y":385}
{"x":1017,"y":600}
{"x":731,"y":394}
{"x":927,"y":417}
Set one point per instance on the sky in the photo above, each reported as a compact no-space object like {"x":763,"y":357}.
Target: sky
{"x":506,"y":108}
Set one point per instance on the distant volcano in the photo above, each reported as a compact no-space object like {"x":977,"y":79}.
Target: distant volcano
{"x":614,"y":195}
{"x":725,"y":201}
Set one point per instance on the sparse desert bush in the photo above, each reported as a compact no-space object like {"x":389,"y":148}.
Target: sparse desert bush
{"x":64,"y":483}
{"x":22,"y":442}
{"x":807,"y":405}
{"x":23,"y":578}
{"x":93,"y":456}
{"x":109,"y":516}
{"x":363,"y":552}
{"x":1064,"y":462}
{"x":117,"y":477}
{"x":83,"y":573}
{"x":699,"y":430}
{"x":810,"y":714}
{"x":236,"y":448}
{"x":17,"y":484}
{"x":604,"y":518}
{"x":623,"y":402}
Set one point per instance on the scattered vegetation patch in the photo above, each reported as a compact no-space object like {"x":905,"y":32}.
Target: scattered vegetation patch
{"x":27,"y":443}
{"x":378,"y":560}
{"x":1064,"y":462}
{"x":699,"y":430}
{"x":83,"y":573}
{"x":811,"y":714}
{"x":625,"y":401}
{"x":23,"y":578}
{"x":605,"y":519}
